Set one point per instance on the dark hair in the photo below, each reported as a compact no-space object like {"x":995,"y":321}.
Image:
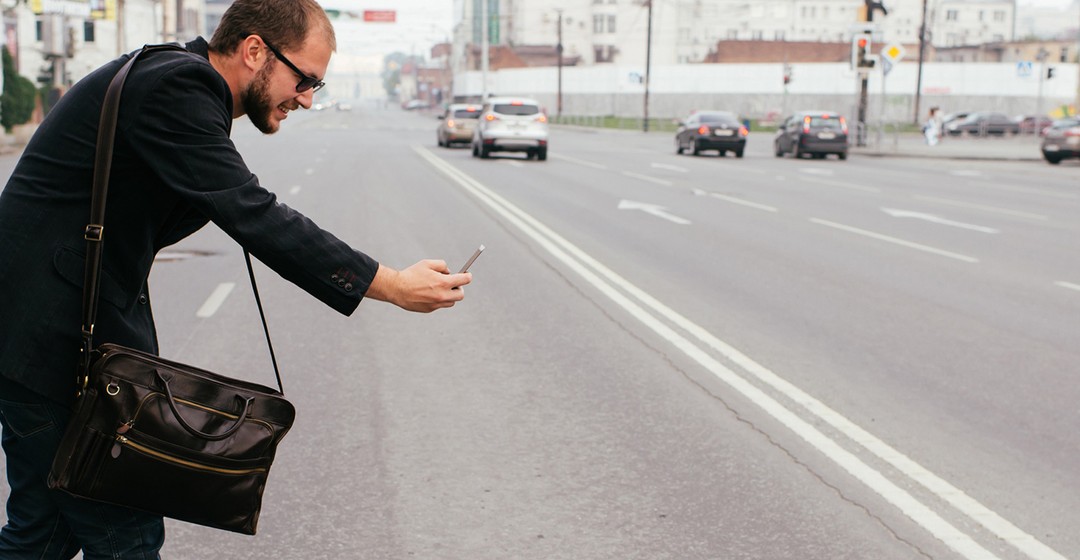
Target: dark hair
{"x":282,"y":23}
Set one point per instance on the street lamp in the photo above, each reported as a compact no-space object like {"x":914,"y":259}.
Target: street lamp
{"x":648,"y":60}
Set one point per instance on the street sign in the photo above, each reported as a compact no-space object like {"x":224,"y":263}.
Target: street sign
{"x":893,"y":52}
{"x":1023,"y":69}
{"x":380,"y":16}
{"x":886,"y":65}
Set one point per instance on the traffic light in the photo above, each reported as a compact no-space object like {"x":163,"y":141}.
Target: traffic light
{"x":1049,"y":72}
{"x":861,"y":58}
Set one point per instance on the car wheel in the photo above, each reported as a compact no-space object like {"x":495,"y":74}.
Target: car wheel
{"x":484,"y":152}
{"x":475,"y":152}
{"x":697,"y":149}
{"x":842,"y":155}
{"x":738,"y":153}
{"x":776,"y":149}
{"x":796,"y":152}
{"x":541,"y":154}
{"x":1053,"y":160}
{"x":678,"y":147}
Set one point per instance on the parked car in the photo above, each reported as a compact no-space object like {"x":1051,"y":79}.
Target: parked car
{"x":817,"y":133}
{"x":983,"y":124}
{"x":458,"y":124}
{"x":711,"y":130}
{"x":1031,"y":124}
{"x":415,"y":104}
{"x":1062,"y":140}
{"x":511,"y":124}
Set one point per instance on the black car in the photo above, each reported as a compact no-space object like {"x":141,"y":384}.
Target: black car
{"x":983,"y":124}
{"x":711,"y":130}
{"x":817,"y":133}
{"x":1062,"y":140}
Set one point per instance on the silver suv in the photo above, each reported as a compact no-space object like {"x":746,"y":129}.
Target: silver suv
{"x":511,"y":124}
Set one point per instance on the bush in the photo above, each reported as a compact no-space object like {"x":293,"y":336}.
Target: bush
{"x":17,"y":100}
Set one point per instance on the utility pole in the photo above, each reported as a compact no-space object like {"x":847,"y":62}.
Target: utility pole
{"x":922,"y":54}
{"x":648,"y":61}
{"x":558,"y":52}
{"x":484,"y":23}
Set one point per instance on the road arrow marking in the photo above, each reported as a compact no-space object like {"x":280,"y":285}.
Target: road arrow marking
{"x":654,"y":209}
{"x":935,"y":219}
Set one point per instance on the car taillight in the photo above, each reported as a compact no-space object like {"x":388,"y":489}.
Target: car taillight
{"x":843,"y":124}
{"x":806,"y":125}
{"x":1074,"y":131}
{"x":450,"y":123}
{"x":490,"y":117}
{"x":703,"y":129}
{"x":542,"y":118}
{"x":743,"y":131}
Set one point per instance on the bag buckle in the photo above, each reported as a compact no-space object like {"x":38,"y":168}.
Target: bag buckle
{"x":94,"y":232}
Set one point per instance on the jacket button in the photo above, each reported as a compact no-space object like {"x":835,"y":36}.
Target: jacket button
{"x":348,"y":287}
{"x":341,"y":282}
{"x":333,"y":277}
{"x":143,"y":299}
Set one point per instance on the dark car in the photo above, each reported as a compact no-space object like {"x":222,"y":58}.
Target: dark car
{"x":817,"y":133}
{"x":1062,"y":140}
{"x":983,"y":124}
{"x":711,"y":130}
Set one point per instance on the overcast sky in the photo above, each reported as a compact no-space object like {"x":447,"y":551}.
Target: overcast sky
{"x":418,"y":25}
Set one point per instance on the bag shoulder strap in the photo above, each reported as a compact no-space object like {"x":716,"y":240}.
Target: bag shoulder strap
{"x":95,"y":230}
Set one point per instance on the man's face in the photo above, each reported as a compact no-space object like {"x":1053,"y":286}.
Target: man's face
{"x":271,"y":94}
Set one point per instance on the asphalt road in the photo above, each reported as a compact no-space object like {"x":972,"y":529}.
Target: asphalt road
{"x":660,"y":357}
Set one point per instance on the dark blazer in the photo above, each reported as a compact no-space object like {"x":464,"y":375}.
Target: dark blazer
{"x":174,"y":170}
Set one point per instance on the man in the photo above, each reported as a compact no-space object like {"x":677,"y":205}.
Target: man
{"x":174,"y":170}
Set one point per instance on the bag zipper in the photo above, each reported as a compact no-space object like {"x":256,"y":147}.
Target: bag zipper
{"x":124,"y":440}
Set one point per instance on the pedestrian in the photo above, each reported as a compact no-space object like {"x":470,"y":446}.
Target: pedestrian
{"x":174,"y":170}
{"x":932,"y":127}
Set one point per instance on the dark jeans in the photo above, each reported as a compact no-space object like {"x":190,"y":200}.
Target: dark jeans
{"x":46,"y":524}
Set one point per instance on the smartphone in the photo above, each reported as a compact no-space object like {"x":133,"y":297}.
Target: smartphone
{"x":471,"y":259}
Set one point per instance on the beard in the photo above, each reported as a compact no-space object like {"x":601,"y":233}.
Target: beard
{"x":256,"y":101}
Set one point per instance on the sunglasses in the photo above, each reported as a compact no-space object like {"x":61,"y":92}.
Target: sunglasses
{"x":306,"y":82}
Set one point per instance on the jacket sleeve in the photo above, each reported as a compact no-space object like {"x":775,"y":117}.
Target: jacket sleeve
{"x":182,"y":127}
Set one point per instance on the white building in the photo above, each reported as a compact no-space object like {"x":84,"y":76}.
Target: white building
{"x":685,"y":30}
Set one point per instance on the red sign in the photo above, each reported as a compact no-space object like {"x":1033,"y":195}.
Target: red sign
{"x":380,"y":16}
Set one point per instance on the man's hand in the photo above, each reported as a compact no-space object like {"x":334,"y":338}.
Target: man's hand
{"x":423,"y":287}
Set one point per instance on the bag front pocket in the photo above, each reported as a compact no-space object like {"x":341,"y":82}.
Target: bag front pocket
{"x":146,"y":474}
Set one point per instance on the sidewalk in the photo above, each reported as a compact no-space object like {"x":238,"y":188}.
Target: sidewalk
{"x":1011,"y":148}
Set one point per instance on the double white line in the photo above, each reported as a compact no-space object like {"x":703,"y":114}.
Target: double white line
{"x":609,"y":283}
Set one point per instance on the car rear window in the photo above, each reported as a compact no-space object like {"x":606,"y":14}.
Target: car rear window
{"x":515,"y":109}
{"x":466,"y":114}
{"x":718,"y":118}
{"x":822,"y":122}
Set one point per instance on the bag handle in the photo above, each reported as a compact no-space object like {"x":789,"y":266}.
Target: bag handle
{"x":95,"y":230}
{"x":195,"y":432}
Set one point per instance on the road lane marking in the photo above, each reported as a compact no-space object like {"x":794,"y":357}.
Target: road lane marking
{"x":992,"y":209}
{"x":652,"y":209}
{"x":512,"y":163}
{"x":896,"y":213}
{"x":1026,"y":190}
{"x":579,"y":161}
{"x":217,"y":297}
{"x":894,"y":240}
{"x":670,"y":167}
{"x":941,"y":529}
{"x":295,"y":189}
{"x":839,"y":184}
{"x":1068,"y":285}
{"x":663,"y":182}
{"x":735,"y":200}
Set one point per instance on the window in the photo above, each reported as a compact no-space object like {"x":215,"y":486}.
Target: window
{"x":757,"y":35}
{"x":999,"y":16}
{"x":952,"y":15}
{"x":88,"y":31}
{"x":597,"y":23}
{"x":611,"y":23}
{"x":779,"y":35}
{"x":37,"y":29}
{"x":732,"y":34}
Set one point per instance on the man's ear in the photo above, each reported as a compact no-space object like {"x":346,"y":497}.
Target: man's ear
{"x":252,"y":52}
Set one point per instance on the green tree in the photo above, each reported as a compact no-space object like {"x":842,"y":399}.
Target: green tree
{"x":17,"y":100}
